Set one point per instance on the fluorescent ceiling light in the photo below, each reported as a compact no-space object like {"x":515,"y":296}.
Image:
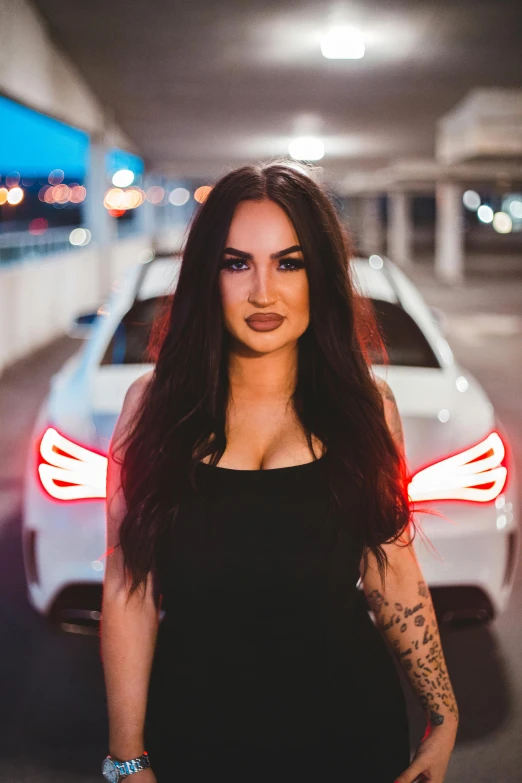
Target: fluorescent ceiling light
{"x":343,"y":42}
{"x":306,"y":148}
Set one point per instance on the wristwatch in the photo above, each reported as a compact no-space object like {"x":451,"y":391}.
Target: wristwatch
{"x":114,"y":770}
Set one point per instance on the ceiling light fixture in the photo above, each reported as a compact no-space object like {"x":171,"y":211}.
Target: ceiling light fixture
{"x":306,"y":148}
{"x":343,"y":42}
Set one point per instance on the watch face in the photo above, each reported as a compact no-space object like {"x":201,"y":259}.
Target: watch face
{"x":110,"y":771}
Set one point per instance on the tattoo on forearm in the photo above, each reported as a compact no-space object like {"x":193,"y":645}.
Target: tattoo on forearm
{"x":420,"y":655}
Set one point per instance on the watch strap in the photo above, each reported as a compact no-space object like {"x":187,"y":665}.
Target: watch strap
{"x":132,"y":765}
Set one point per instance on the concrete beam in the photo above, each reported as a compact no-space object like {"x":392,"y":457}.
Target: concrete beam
{"x":422,"y":175}
{"x":487,"y":124}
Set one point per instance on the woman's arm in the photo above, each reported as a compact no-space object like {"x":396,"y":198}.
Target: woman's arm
{"x":129,"y":625}
{"x":404,"y":613}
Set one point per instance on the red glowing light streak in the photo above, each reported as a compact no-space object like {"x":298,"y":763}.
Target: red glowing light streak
{"x":72,"y":472}
{"x":476,"y":474}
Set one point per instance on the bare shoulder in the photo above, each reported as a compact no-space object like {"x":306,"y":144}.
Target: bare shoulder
{"x":391,"y":412}
{"x":385,"y":390}
{"x":137,"y":388}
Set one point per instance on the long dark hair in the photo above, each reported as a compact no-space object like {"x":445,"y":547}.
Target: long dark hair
{"x":182,"y":414}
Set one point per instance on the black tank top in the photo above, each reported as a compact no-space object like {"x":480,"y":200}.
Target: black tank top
{"x":267,"y":653}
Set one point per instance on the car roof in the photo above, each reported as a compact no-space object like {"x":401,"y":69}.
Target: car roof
{"x":160,"y":277}
{"x":374,"y":282}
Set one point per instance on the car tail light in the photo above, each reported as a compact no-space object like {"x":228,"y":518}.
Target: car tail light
{"x":476,"y":474}
{"x":69,"y":471}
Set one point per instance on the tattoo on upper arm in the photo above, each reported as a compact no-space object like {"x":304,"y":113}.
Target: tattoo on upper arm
{"x":421,"y":656}
{"x":393,"y":418}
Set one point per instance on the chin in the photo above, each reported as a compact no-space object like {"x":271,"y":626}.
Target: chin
{"x":258,"y":342}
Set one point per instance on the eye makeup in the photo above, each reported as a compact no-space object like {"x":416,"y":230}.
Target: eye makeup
{"x":296,"y":263}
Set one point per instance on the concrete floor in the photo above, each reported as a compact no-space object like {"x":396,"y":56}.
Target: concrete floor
{"x":484,"y":328}
{"x":52,"y":715}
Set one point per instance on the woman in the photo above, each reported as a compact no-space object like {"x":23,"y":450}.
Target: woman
{"x":254,"y":476}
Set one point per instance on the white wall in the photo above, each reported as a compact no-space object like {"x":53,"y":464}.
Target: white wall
{"x":38,"y":299}
{"x":35,"y":73}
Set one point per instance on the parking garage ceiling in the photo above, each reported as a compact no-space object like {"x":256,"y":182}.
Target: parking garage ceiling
{"x":201,"y":85}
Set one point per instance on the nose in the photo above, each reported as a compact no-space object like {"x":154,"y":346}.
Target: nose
{"x":262,"y":292}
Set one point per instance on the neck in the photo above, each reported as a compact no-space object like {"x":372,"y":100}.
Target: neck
{"x":266,"y":379}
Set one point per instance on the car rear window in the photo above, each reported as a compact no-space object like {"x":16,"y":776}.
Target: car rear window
{"x":129,"y":342}
{"x":405,"y":343}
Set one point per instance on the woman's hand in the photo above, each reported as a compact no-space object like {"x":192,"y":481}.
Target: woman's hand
{"x":432,"y":757}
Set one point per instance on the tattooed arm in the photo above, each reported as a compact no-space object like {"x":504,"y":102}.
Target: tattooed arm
{"x":404,"y":613}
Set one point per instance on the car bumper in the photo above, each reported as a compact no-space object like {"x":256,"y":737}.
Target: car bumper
{"x":471,"y":546}
{"x":63,"y":545}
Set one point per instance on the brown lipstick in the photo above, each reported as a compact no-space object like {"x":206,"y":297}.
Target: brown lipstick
{"x":264,"y":322}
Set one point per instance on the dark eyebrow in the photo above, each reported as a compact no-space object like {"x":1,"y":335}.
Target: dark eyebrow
{"x":249,"y":257}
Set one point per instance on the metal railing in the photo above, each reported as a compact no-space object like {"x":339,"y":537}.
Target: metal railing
{"x":17,"y":246}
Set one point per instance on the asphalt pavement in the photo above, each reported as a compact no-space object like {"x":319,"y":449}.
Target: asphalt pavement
{"x":53,"y":724}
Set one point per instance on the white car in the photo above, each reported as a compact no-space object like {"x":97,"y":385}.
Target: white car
{"x":457,"y":453}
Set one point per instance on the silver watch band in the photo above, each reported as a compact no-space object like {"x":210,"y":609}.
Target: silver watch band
{"x":132,"y":765}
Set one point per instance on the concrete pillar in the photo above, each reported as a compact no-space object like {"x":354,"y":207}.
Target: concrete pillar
{"x":96,"y":218}
{"x":449,"y":235}
{"x":400,"y":228}
{"x":146,"y":213}
{"x":371,"y":228}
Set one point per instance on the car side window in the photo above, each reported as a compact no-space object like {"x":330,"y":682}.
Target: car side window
{"x":129,"y":343}
{"x":406,"y":345}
